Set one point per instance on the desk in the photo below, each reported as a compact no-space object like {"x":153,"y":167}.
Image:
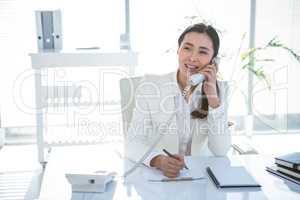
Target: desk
{"x":96,"y":157}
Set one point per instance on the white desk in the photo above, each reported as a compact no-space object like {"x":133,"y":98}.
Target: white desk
{"x":96,"y":157}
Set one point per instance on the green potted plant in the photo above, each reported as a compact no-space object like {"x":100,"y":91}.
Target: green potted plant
{"x":256,"y":60}
{"x":256,"y":65}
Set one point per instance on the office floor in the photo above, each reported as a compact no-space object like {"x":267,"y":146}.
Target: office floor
{"x":20,"y":172}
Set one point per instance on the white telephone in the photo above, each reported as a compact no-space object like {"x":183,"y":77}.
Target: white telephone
{"x":198,"y":77}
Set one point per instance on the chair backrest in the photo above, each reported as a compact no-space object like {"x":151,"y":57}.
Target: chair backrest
{"x":128,"y":88}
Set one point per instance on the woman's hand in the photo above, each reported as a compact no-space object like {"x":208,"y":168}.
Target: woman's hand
{"x":210,"y":85}
{"x":169,"y":166}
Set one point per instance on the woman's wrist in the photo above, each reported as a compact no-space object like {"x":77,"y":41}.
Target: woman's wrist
{"x":214,"y":102}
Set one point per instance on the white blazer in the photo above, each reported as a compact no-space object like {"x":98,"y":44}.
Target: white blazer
{"x":155,"y":106}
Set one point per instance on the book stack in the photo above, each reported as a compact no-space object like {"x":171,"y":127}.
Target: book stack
{"x":288,"y":167}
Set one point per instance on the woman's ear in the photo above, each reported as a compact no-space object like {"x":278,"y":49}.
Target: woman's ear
{"x":215,"y":61}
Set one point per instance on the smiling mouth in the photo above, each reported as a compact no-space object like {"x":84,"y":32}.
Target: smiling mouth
{"x":191,"y":68}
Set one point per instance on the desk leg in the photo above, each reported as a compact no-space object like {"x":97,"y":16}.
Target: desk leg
{"x":39,"y":115}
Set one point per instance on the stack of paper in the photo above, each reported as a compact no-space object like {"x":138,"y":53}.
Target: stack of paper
{"x":154,"y":175}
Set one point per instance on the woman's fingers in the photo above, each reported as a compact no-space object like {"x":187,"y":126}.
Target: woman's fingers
{"x":172,"y":170}
{"x":174,"y":161}
{"x":174,"y":167}
{"x":171,"y":166}
{"x":170,"y":175}
{"x":180,"y":160}
{"x":210,"y":69}
{"x":178,"y":157}
{"x":209,"y":72}
{"x":213,"y":67}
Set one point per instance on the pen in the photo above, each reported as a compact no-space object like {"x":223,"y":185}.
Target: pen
{"x":172,"y":156}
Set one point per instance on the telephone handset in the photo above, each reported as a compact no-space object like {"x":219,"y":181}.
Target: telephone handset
{"x":198,"y":77}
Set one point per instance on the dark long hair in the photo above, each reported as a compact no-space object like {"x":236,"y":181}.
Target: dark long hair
{"x":202,"y":108}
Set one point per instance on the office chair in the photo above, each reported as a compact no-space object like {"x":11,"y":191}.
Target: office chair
{"x":128,"y":88}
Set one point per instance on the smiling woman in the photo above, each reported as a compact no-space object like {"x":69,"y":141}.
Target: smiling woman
{"x":193,"y":59}
{"x":198,"y":46}
{"x":160,"y":98}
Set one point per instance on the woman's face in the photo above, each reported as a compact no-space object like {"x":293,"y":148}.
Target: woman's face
{"x":194,"y":53}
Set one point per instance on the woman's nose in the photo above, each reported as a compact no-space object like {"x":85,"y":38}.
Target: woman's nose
{"x":193,"y":57}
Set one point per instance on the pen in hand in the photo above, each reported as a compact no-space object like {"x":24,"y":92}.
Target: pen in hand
{"x":172,"y":156}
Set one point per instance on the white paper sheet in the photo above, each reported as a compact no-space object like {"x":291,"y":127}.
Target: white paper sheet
{"x":154,"y":175}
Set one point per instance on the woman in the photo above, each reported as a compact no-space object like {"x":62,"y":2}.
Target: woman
{"x":172,"y":114}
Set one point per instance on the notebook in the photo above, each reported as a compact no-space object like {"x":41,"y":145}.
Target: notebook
{"x":231,"y":177}
{"x":291,"y":160}
{"x":273,"y":170}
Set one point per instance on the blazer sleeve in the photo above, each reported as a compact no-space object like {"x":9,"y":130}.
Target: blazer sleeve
{"x":219,"y":139}
{"x":138,"y":138}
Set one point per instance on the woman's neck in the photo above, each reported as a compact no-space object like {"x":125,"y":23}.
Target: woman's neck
{"x":182,"y":80}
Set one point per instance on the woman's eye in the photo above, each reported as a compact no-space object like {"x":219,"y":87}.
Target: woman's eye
{"x":187,"y":48}
{"x":202,"y":52}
